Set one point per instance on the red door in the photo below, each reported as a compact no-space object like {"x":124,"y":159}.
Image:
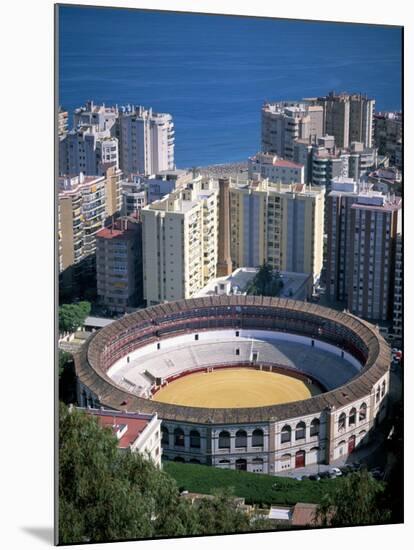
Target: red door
{"x":351,"y":444}
{"x":300,"y":459}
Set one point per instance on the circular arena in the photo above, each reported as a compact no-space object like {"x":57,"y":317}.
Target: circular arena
{"x":253,"y":383}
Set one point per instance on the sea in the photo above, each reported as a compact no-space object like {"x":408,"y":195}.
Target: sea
{"x":213,"y":73}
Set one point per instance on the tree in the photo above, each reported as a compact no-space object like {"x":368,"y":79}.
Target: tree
{"x":356,"y":502}
{"x":67,"y":378}
{"x":266,"y":282}
{"x":106,"y":494}
{"x":72,"y":316}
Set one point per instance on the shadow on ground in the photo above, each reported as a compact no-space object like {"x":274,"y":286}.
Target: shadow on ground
{"x":42,"y":533}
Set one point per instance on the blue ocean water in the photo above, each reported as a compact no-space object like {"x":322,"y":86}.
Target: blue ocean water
{"x":212,"y":73}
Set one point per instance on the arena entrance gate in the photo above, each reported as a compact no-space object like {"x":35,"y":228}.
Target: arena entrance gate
{"x":300,"y":459}
{"x":241,"y":464}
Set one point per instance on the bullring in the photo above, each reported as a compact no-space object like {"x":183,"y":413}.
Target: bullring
{"x":124,"y":365}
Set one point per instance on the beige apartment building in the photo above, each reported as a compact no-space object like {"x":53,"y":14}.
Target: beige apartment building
{"x":179,"y":240}
{"x":277,"y":223}
{"x":347,"y":117}
{"x":85,"y":202}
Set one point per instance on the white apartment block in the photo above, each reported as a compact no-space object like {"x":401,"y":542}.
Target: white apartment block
{"x":100,"y":116}
{"x":146,"y":140}
{"x":279,"y":224}
{"x":88,"y":150}
{"x":179,"y":239}
{"x":283,"y":123}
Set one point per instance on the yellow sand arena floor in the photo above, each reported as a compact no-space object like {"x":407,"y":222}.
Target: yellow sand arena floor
{"x":239,"y":387}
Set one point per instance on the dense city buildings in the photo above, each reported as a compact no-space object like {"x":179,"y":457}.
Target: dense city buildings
{"x":135,"y":432}
{"x":101,"y":117}
{"x":278,"y":224}
{"x":119,"y":265}
{"x":398,"y":299}
{"x":146,"y":140}
{"x":84,"y":204}
{"x":389,"y":135}
{"x":284,"y":122}
{"x":180,"y":239}
{"x":134,"y":196}
{"x":375,"y":221}
{"x":87,"y":149}
{"x":62,"y":122}
{"x":269,"y":166}
{"x":160,"y":184}
{"x":362,"y":229}
{"x":347,"y":117}
{"x":324,"y":161}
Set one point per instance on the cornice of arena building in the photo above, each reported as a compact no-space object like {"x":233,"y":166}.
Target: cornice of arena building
{"x":354,"y":336}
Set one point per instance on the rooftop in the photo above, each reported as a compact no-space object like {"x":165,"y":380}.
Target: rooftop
{"x":237,"y":282}
{"x":127,"y":427}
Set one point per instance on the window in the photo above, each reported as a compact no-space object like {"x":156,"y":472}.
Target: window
{"x":237,"y":351}
{"x":241,"y":439}
{"x":286,"y":434}
{"x":224,"y":440}
{"x":362,"y":412}
{"x":377,"y":397}
{"x":158,"y":345}
{"x":195,"y":336}
{"x":165,"y":437}
{"x":178,"y":437}
{"x":195,"y":439}
{"x":257,"y":438}
{"x":300,"y":431}
{"x":383,"y":389}
{"x":342,"y":421}
{"x":314,"y":427}
{"x":352,"y":417}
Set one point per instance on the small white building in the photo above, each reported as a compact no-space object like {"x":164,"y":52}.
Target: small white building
{"x":269,"y":166}
{"x":297,"y":286}
{"x":138,"y":432}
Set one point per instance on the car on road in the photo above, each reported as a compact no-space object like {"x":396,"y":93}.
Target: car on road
{"x":335,"y":471}
{"x":324,"y":475}
{"x":314,"y":477}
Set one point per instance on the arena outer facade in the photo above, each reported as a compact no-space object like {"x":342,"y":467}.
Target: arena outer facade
{"x":267,"y":439}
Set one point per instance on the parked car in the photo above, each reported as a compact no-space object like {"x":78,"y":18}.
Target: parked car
{"x":346,"y":470}
{"x":314,"y":477}
{"x":324,"y":475}
{"x":335,"y":471}
{"x":304,"y":478}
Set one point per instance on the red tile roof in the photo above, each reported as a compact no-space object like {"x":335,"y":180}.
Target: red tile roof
{"x":135,"y":426}
{"x":286,"y":163}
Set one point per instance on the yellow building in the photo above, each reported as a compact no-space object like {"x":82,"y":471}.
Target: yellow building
{"x":281,"y":224}
{"x":179,"y":241}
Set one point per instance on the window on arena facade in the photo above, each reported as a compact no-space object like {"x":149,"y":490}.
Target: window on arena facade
{"x":195,"y":439}
{"x":352,"y":417}
{"x":342,"y":422}
{"x":362,"y":412}
{"x":314,"y":427}
{"x":178,"y":437}
{"x":300,"y":431}
{"x":286,"y":434}
{"x":257,"y":438}
{"x":165,"y":438}
{"x":224,"y":440}
{"x":241,"y":439}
